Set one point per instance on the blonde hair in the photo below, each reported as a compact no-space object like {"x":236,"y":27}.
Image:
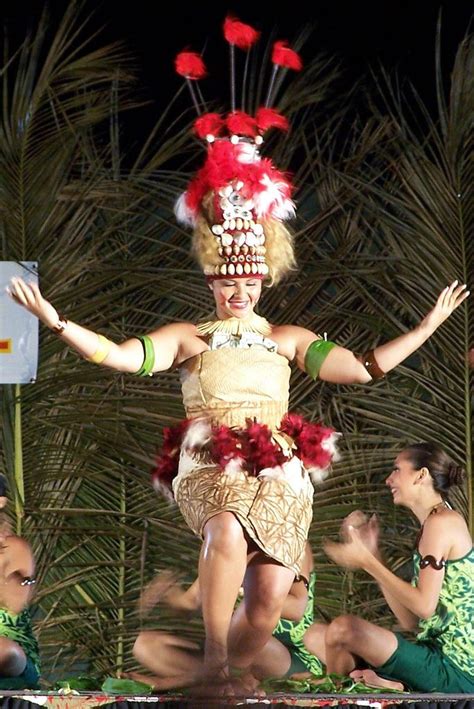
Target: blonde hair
{"x":280,"y":256}
{"x":204,"y":246}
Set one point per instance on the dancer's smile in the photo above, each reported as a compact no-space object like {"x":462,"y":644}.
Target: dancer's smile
{"x":236,"y":297}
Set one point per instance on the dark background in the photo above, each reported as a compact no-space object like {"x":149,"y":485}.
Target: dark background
{"x":397,"y":34}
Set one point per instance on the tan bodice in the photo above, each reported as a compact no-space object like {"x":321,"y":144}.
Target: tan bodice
{"x":231,"y":385}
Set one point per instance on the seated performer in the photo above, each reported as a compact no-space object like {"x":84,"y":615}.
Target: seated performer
{"x":240,"y":466}
{"x":294,"y":650}
{"x":19,"y":657}
{"x":440,"y":600}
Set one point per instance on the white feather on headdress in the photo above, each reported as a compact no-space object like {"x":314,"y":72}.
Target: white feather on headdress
{"x":183,"y":213}
{"x":274,"y":200}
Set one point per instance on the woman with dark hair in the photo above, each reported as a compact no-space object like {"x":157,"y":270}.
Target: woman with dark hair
{"x":19,"y":656}
{"x":440,"y":600}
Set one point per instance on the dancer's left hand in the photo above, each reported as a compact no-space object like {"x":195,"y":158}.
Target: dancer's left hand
{"x":353,"y":554}
{"x":449,"y":299}
{"x":369,"y":530}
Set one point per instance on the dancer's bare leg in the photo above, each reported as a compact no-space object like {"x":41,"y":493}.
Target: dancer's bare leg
{"x":314,"y":640}
{"x":266,"y":587}
{"x":172,"y":661}
{"x":221,"y":571}
{"x":273,"y":660}
{"x":348,"y":637}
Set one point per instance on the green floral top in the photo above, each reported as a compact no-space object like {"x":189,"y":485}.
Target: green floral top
{"x":451,"y":626}
{"x":18,"y":628}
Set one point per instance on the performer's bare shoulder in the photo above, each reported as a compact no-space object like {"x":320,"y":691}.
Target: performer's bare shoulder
{"x":292,"y":340}
{"x":180,"y":339}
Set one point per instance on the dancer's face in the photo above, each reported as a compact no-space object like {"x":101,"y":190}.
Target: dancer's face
{"x":403,"y":480}
{"x":236,"y":297}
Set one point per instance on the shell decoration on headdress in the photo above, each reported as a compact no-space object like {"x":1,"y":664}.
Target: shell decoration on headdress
{"x":238,"y":201}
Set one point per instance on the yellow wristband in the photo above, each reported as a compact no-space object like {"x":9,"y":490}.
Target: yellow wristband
{"x":102,"y":350}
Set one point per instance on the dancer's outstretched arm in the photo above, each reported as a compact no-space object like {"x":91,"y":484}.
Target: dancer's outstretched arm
{"x":341,"y":366}
{"x":127,"y":356}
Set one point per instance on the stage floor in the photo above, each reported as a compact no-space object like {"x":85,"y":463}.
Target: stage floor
{"x":55,"y":700}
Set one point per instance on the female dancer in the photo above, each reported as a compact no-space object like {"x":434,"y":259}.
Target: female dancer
{"x":439,"y":602}
{"x":19,"y":657}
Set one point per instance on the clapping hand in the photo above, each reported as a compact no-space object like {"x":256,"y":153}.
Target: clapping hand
{"x":369,"y":529}
{"x":360,"y":541}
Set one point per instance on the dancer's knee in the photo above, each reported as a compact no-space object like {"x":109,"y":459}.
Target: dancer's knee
{"x":342,"y":631}
{"x":12,"y":658}
{"x":149,"y":641}
{"x":264,"y":613}
{"x":224,"y":533}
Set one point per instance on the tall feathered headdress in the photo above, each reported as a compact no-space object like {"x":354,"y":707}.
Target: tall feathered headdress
{"x":238,"y":201}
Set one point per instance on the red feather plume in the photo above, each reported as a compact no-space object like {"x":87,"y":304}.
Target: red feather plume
{"x":208,"y":124}
{"x":270,"y":118}
{"x":284,"y":56}
{"x":240,"y":34}
{"x":190,"y":65}
{"x":222,"y":165}
{"x":240,"y":123}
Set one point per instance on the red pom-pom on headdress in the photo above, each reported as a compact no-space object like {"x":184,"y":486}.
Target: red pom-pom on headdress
{"x":209,"y":124}
{"x":240,"y":123}
{"x":190,"y":65}
{"x":267,"y":118}
{"x":240,"y":34}
{"x":284,"y":56}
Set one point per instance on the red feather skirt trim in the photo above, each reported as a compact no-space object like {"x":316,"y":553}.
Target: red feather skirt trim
{"x":253,"y":446}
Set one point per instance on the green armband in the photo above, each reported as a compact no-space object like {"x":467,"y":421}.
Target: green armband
{"x":315,"y":356}
{"x":146,"y":370}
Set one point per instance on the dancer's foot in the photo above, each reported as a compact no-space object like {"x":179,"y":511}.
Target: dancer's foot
{"x":308,"y":675}
{"x":220,"y":682}
{"x":161,"y":684}
{"x":214,"y":681}
{"x":246,"y":684}
{"x":372,"y":679}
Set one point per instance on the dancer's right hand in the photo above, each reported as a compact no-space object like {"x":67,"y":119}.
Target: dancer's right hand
{"x":29,"y":296}
{"x":368,"y":529}
{"x":159,"y":590}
